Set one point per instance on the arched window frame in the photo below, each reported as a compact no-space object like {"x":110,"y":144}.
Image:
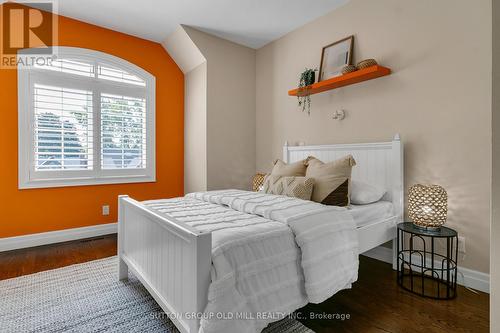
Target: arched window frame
{"x":28,"y":76}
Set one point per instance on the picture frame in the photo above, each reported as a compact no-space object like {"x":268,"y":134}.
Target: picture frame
{"x":335,"y":56}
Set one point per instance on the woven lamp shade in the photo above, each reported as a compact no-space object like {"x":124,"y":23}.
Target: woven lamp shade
{"x":258,"y":181}
{"x":427,"y":205}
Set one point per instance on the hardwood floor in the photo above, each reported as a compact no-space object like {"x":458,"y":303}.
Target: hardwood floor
{"x":374,"y":304}
{"x":377,"y":304}
{"x":42,"y":258}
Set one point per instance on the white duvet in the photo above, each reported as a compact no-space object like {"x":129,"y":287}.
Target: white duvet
{"x":270,"y":254}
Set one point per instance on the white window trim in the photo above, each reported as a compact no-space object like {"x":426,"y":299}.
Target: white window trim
{"x":28,"y":178}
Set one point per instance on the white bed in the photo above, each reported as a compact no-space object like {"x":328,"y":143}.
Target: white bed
{"x":365,"y":215}
{"x":173,"y":258}
{"x":377,"y":163}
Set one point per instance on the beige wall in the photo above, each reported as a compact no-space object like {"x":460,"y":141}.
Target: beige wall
{"x":219,"y":110}
{"x":195,"y":129}
{"x":230,"y":111}
{"x":182,"y":49}
{"x":193,"y":64}
{"x":438,"y":98}
{"x":495,"y":221}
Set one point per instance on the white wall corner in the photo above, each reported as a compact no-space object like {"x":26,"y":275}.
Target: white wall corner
{"x":183,"y":50}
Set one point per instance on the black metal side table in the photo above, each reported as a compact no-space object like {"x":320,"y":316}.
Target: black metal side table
{"x":427,"y":261}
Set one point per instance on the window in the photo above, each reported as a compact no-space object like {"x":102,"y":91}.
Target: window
{"x":85,"y":118}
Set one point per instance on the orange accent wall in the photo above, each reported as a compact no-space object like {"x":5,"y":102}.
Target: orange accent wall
{"x":40,"y":210}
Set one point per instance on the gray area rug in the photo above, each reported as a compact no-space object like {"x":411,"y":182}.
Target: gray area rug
{"x":88,"y":298}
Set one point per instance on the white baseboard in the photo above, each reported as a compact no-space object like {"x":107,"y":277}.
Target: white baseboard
{"x":44,"y":238}
{"x":466,"y":277}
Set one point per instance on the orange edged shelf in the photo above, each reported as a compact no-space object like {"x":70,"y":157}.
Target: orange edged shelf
{"x":361,"y":75}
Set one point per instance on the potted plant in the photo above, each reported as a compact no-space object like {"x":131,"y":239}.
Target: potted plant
{"x":307,"y":77}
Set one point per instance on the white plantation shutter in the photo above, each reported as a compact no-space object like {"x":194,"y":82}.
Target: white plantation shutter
{"x":86,"y":118}
{"x":63,"y":134}
{"x":116,"y":74}
{"x":123,"y":132}
{"x":69,"y":66}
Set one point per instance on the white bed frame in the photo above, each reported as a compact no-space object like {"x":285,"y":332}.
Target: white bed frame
{"x":173,"y":260}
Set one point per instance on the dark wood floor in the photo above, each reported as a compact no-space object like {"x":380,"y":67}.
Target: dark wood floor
{"x":42,"y":258}
{"x":377,"y":304}
{"x":374,"y":304}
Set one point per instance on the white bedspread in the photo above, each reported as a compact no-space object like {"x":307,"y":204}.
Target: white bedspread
{"x":271,"y":254}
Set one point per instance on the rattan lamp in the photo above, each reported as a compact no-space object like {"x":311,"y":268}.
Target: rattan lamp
{"x":427,"y":205}
{"x":258,"y":181}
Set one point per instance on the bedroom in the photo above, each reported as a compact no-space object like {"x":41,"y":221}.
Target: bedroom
{"x":208,"y":100}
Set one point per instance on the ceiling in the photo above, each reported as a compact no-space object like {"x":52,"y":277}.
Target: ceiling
{"x":252,"y":23}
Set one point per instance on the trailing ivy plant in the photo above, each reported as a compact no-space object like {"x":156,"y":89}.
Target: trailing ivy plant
{"x":307,"y":77}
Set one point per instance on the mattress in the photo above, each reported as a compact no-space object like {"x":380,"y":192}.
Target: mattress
{"x":367,"y":214}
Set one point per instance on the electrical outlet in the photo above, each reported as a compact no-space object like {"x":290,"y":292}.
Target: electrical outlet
{"x":105,"y":210}
{"x":461,"y":244}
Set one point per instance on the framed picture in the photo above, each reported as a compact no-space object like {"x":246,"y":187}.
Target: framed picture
{"x":334,"y":57}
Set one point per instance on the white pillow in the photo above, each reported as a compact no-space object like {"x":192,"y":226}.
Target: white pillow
{"x":363,"y":193}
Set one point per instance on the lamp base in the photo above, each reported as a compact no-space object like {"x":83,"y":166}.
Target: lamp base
{"x":426,"y":228}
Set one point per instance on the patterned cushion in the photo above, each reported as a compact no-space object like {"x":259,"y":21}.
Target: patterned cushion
{"x":331,"y":180}
{"x":298,"y":187}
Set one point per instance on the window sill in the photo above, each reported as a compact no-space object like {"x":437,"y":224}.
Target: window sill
{"x":84,"y":181}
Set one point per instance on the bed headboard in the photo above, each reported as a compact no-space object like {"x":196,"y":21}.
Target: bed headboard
{"x":377,"y":163}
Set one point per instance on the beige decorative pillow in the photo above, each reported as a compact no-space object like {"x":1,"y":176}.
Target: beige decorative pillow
{"x":298,"y":187}
{"x":297,"y":169}
{"x":331,"y":180}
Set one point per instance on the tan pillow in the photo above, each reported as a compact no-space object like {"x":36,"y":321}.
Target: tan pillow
{"x":297,"y":169}
{"x":298,"y":187}
{"x":331,"y":180}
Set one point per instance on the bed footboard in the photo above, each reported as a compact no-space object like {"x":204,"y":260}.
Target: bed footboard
{"x":171,"y":259}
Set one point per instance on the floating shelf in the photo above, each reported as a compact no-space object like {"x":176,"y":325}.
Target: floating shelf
{"x":361,"y":75}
